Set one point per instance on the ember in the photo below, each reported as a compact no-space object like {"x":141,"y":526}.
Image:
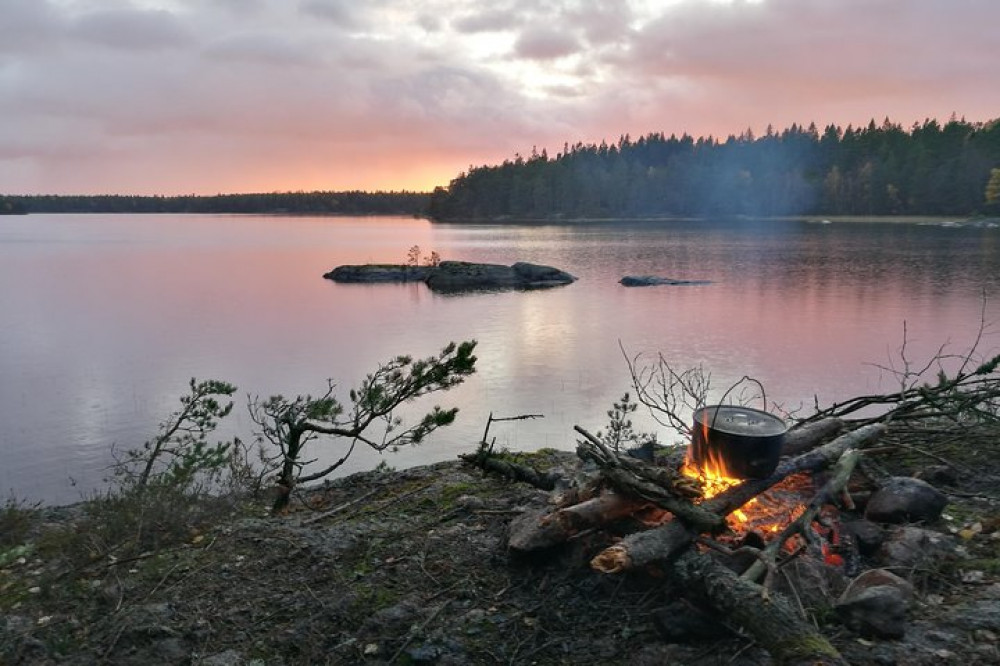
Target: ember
{"x":767,"y":513}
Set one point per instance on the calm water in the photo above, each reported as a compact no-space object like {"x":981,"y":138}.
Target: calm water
{"x":104,"y":319}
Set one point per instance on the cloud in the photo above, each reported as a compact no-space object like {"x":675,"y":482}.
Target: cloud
{"x":539,"y":43}
{"x":340,"y":12}
{"x":494,"y":20}
{"x":131,"y":30}
{"x":193,"y":96}
{"x":29,"y":26}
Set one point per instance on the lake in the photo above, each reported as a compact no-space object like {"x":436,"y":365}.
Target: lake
{"x":104,"y":319}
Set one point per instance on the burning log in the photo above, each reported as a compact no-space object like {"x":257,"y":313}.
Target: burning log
{"x":659,"y":485}
{"x":664,"y":542}
{"x":803,"y":524}
{"x":773,"y":622}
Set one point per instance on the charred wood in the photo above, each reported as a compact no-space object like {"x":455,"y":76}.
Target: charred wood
{"x":664,"y":542}
{"x":544,"y":529}
{"x":662,"y":486}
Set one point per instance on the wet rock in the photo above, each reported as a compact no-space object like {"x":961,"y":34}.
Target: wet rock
{"x":907,"y":547}
{"x":867,"y":535}
{"x":903,"y":499}
{"x":875,"y":604}
{"x":655,"y":281}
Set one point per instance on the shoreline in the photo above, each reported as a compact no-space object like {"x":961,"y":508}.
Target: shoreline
{"x":936,"y":220}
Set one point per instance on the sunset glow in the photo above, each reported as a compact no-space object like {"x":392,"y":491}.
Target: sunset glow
{"x":186,"y":96}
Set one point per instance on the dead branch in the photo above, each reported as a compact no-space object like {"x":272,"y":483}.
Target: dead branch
{"x":661,"y":486}
{"x":802,"y":438}
{"x":485,"y":459}
{"x":543,"y":529}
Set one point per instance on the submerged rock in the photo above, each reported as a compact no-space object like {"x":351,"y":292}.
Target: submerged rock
{"x":654,"y":281}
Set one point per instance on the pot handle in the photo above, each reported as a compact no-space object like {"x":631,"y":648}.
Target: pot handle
{"x":745,"y":378}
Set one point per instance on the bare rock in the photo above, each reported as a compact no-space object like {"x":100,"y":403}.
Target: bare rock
{"x":867,"y":535}
{"x":379,"y":273}
{"x":456,"y":276}
{"x":903,"y":499}
{"x":908,"y":547}
{"x":941,"y":475}
{"x":875,"y":604}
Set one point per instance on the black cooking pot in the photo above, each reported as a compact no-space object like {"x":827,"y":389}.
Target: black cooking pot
{"x":740,"y":442}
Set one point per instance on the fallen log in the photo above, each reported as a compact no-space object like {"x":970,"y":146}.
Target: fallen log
{"x":543,"y":529}
{"x":661,"y":543}
{"x":486,"y":460}
{"x":771,"y":620}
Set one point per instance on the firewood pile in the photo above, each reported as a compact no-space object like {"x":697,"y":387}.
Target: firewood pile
{"x":749,"y":553}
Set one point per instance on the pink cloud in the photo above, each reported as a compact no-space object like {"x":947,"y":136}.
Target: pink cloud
{"x":233,"y":96}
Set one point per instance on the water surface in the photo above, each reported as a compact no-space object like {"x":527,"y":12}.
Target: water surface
{"x":104,"y":319}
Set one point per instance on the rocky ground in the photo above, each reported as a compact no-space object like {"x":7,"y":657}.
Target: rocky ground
{"x":411,"y":567}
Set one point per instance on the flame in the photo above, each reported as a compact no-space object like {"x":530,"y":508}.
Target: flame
{"x":768,"y":513}
{"x":715,"y":478}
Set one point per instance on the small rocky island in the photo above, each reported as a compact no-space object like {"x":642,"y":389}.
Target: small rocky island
{"x":654,"y":281}
{"x":456,"y":276}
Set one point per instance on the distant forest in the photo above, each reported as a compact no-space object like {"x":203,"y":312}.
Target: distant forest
{"x":343,"y":203}
{"x":930,"y":169}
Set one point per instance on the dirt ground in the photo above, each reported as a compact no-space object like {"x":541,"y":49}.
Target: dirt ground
{"x":411,"y":567}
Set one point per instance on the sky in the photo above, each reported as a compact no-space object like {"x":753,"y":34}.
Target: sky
{"x":227,"y":96}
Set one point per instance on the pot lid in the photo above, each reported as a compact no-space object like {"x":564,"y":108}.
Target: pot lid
{"x":736,"y":420}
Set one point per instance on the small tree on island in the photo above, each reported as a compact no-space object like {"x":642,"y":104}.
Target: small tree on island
{"x":290,"y":424}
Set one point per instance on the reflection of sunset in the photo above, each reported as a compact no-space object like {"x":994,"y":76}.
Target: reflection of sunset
{"x":123,"y":310}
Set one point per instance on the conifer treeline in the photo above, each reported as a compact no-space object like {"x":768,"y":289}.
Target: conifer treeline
{"x":930,"y":169}
{"x":345,"y":203}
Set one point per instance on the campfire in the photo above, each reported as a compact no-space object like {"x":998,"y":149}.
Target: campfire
{"x":703,"y":512}
{"x":755,"y":505}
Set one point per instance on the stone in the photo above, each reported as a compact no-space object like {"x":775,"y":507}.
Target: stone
{"x":875,"y":604}
{"x":655,"y":281}
{"x":942,"y":475}
{"x":867,"y":535}
{"x":904,"y":499}
{"x":908,"y":547}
